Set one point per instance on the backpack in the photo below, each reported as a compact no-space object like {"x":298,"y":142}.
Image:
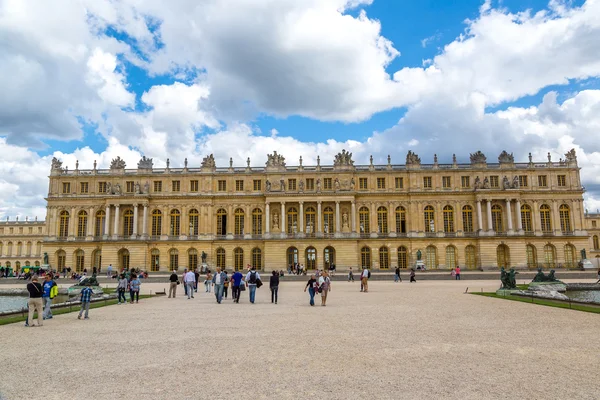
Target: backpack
{"x":369,"y":274}
{"x":252,"y":279}
{"x":54,"y":291}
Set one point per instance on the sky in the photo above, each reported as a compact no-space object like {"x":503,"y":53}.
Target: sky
{"x":95,"y":79}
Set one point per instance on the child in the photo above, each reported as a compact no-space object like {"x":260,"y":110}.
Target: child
{"x":86,"y":297}
{"x":350,"y":275}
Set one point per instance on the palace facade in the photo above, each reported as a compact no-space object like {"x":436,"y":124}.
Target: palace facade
{"x":476,"y":215}
{"x":21,"y":243}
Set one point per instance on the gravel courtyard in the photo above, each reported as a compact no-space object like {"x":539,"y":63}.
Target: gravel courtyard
{"x":399,"y":341}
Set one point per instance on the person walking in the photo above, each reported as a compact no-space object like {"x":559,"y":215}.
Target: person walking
{"x":274,"y":286}
{"x":86,"y":298}
{"x":311,"y":286}
{"x":397,"y":276}
{"x":412,"y":275}
{"x":35,"y":301}
{"x":197,"y":276}
{"x":46,"y":296}
{"x":225,"y":285}
{"x":364,"y":278}
{"x":457,"y":273}
{"x":324,"y":287}
{"x":109,"y":271}
{"x":219,"y":280}
{"x":350,"y":275}
{"x":174,"y":279}
{"x":252,"y":280}
{"x":189,"y":280}
{"x":134,"y":288}
{"x":208,"y":282}
{"x":236,"y":283}
{"x":121,"y":288}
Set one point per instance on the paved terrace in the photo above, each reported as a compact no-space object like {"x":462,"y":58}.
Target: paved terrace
{"x":399,"y":341}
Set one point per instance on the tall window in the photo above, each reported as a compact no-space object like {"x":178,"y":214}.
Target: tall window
{"x":380,"y":183}
{"x":292,"y":255}
{"x":238,"y":221}
{"x":291,"y":184}
{"x":310,"y":183}
{"x":523,"y":181}
{"x":562,"y":180}
{"x":427,"y":182}
{"x":502,"y":256}
{"x":399,"y":182}
{"x":311,"y":258}
{"x":448,"y":219}
{"x":382,"y":220}
{"x":194,"y":186}
{"x":526,"y":218}
{"x":66,"y":187}
{"x":79,"y":260}
{"x":465,"y":181}
{"x":431,"y":257}
{"x":222,"y":185}
{"x":569,"y":255}
{"x":257,"y":258}
{"x":363,"y":219}
{"x":173,"y":259}
{"x":257,"y":185}
{"x":176,"y":186}
{"x":470,"y":257}
{"x":82,"y":218}
{"x":239,"y":185}
{"x":156,"y":222}
{"x":128,"y":223}
{"x":467,"y":214}
{"x":124,"y":257}
{"x":238,"y":259}
{"x":221,"y":222}
{"x":545,"y":218}
{"x":97,"y":258}
{"x":565,"y":218}
{"x":327,"y":183}
{"x":63,"y":227}
{"x":384,"y":258}
{"x":428,"y":215}
{"x":157,"y":186}
{"x":494,"y":182}
{"x":84,"y":187}
{"x":193,"y":216}
{"x":175,"y":223}
{"x":365,"y":257}
{"x":497,"y":218}
{"x":310,"y":220}
{"x":129,"y":187}
{"x":549,"y":256}
{"x":402,"y":257}
{"x":61,"y":259}
{"x":400,"y":219}
{"x":100,"y":220}
{"x":154,"y":260}
{"x":542,"y":181}
{"x":292,"y":220}
{"x":450,"y":257}
{"x":531,"y":256}
{"x":102,"y":187}
{"x":192,"y":258}
{"x":596,"y":242}
{"x":257,"y":217}
{"x":328,"y":220}
{"x":363,"y":184}
{"x":221,"y":258}
{"x":446,"y":182}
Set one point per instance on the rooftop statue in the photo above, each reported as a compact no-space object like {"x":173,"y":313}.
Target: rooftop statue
{"x":117,"y":163}
{"x":208,"y":162}
{"x":504,"y":157}
{"x":56,"y":164}
{"x":515,"y":182}
{"x":145,"y":163}
{"x":412,"y":158}
{"x":506,"y":183}
{"x":477,"y":184}
{"x":478,"y":157}
{"x":275,"y":160}
{"x":571,"y":156}
{"x":343,"y":159}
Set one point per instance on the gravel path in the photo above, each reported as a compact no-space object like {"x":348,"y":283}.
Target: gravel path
{"x":399,"y":341}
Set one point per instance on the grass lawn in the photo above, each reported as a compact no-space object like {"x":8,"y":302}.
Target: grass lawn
{"x":544,"y":302}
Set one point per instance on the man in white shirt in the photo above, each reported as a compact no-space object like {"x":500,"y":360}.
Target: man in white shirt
{"x":109,"y":271}
{"x":364,"y":278}
{"x":252,"y":277}
{"x":219,"y":281}
{"x":189,"y":279}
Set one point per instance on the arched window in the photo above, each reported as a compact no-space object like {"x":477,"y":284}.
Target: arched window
{"x":431,"y":257}
{"x":569,"y":256}
{"x":63,"y":225}
{"x":154,"y":260}
{"x":18,"y":265}
{"x":467,"y":214}
{"x":363,"y":220}
{"x":257,"y":221}
{"x":221,"y":258}
{"x":400,"y":219}
{"x":19,"y":249}
{"x":497,"y":218}
{"x":257,"y":258}
{"x":238,"y":259}
{"x":402,"y":257}
{"x":175,"y":223}
{"x":470,"y":257}
{"x":156,"y":222}
{"x":382,"y":220}
{"x":596,"y":242}
{"x":311,"y":258}
{"x":61,"y":259}
{"x":531,"y":256}
{"x":128,"y":223}
{"x":79,"y":260}
{"x":365,"y":257}
{"x":310,"y":221}
{"x":82,"y":218}
{"x":124,"y":258}
{"x":1,"y":248}
{"x":173,"y":259}
{"x":384,"y":258}
{"x":546,"y":223}
{"x":9,"y":249}
{"x":292,"y":220}
{"x":503,"y":256}
{"x":238,"y":216}
{"x":37,"y":263}
{"x":97,"y":258}
{"x":451,"y":257}
{"x":27,"y":263}
{"x":526,"y":218}
{"x":565,"y":218}
{"x":428,"y":217}
{"x":292,"y":255}
{"x":328,"y":226}
{"x":192,"y":259}
{"x":448,"y":219}
{"x":549,"y":256}
{"x":329,"y":256}
{"x":28,"y":249}
{"x":193,"y":217}
{"x":221,"y":222}
{"x":38,"y":249}
{"x":100,"y":221}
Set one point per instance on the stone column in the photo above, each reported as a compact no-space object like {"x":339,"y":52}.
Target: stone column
{"x":373,"y":221}
{"x":509,"y":217}
{"x":301,"y":219}
{"x":489,"y":216}
{"x":318,"y":217}
{"x":267,"y":219}
{"x":353,"y":217}
{"x":135,"y":220}
{"x":248,"y":222}
{"x":107,"y":222}
{"x":458,"y":226}
{"x":536,"y":220}
{"x":337,"y":217}
{"x":519,"y":219}
{"x":230,"y":220}
{"x":282,"y":220}
{"x":556,"y":218}
{"x":117,"y":214}
{"x":90,"y":222}
{"x":145,"y":222}
{"x":73,"y":222}
{"x":166,"y":222}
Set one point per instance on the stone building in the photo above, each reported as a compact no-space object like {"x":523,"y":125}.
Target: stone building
{"x":21,"y":243}
{"x":593,"y":228}
{"x":476,"y":215}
